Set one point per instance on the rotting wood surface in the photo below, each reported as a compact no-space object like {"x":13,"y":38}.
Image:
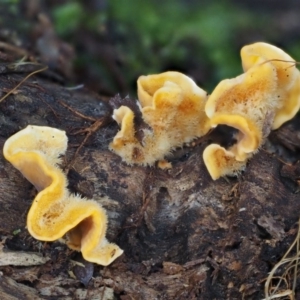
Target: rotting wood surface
{"x":184,"y":235}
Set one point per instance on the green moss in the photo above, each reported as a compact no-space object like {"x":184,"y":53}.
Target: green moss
{"x":68,"y":17}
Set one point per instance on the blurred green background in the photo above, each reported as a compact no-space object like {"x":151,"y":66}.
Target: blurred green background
{"x":116,"y":41}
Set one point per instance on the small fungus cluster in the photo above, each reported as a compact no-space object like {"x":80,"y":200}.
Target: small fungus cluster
{"x":264,"y":97}
{"x":55,"y":212}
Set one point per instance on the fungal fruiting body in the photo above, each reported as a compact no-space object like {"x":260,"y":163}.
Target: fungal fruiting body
{"x":35,"y":152}
{"x":245,"y":103}
{"x":261,"y":99}
{"x":172,"y":105}
{"x":220,"y":162}
{"x":288,"y":77}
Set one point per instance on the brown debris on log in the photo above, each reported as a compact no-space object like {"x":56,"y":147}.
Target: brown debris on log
{"x":184,"y":235}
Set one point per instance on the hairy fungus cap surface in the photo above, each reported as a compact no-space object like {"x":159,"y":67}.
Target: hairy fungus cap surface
{"x":220,"y":162}
{"x":287,"y":77}
{"x":245,"y":103}
{"x":35,"y":151}
{"x":173,"y":107}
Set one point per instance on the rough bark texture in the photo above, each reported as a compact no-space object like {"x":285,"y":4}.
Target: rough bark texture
{"x":184,"y":236}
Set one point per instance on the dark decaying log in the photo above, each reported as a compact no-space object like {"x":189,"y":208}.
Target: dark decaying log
{"x":184,"y":236}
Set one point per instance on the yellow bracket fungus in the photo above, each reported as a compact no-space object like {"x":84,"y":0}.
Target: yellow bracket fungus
{"x":245,"y":103}
{"x":288,"y":77}
{"x":261,"y":99}
{"x":173,"y":107}
{"x":35,"y":152}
